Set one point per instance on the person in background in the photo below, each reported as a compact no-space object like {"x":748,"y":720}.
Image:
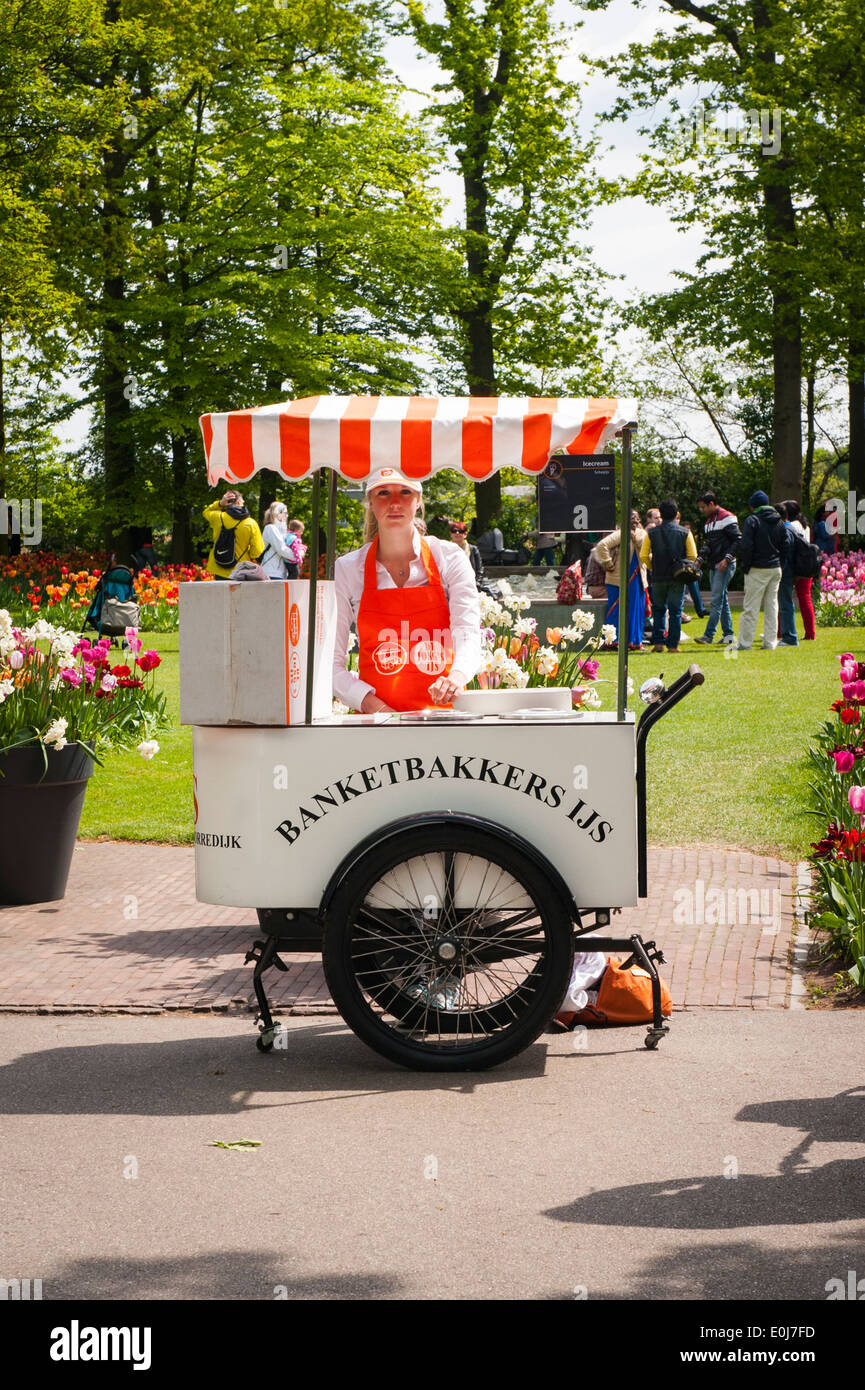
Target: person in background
{"x":801,"y":583}
{"x":653,"y":518}
{"x":824,"y":535}
{"x":693,"y":589}
{"x":719,"y":552}
{"x":762,"y":551}
{"x":664,"y":548}
{"x":459,"y":535}
{"x":279,"y":558}
{"x":607,"y":551}
{"x":594,"y":579}
{"x":300,"y":548}
{"x":544,"y":543}
{"x":236,"y":535}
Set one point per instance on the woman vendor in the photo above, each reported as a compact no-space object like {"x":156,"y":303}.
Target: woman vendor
{"x":415,"y":604}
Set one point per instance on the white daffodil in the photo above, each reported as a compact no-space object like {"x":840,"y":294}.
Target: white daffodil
{"x":525,"y":627}
{"x":513,"y":675}
{"x":582,"y":621}
{"x":608,"y":634}
{"x":6,"y":688}
{"x":591,"y":699}
{"x":55,"y":734}
{"x":148,"y":748}
{"x":547,"y":661}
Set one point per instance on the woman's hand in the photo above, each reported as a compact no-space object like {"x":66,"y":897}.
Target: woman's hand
{"x":442,"y":691}
{"x":373,"y":705}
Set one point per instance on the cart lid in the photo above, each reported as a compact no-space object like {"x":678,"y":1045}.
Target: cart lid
{"x":420,"y":434}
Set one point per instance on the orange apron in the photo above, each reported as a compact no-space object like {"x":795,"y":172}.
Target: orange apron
{"x":404,"y":635}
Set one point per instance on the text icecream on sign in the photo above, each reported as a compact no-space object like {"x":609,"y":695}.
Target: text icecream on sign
{"x":577,"y":492}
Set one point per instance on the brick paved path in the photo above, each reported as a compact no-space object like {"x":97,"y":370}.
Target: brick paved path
{"x":130,"y":936}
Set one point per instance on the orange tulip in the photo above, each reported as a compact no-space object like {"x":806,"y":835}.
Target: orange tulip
{"x":515,"y":646}
{"x":554,"y":636}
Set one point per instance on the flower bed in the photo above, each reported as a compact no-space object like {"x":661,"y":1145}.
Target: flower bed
{"x":61,"y":587}
{"x":839,"y":800}
{"x":842,"y":590}
{"x":56,"y":689}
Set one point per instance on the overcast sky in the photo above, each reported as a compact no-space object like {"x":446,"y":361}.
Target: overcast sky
{"x":629,"y":239}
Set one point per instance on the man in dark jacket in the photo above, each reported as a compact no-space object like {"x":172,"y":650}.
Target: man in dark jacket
{"x":762,"y":550}
{"x":664,"y":548}
{"x":719,"y":551}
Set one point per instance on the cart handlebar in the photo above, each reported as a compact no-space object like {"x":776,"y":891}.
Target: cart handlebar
{"x":687,"y":682}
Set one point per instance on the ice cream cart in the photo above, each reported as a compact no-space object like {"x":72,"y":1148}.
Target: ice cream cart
{"x":445,"y":862}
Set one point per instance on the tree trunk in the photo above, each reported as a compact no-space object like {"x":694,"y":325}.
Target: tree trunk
{"x":4,"y":534}
{"x":117,"y":387}
{"x":856,"y":399}
{"x":811,"y":437}
{"x":480,"y":374}
{"x":786,"y":343}
{"x":181,"y":530}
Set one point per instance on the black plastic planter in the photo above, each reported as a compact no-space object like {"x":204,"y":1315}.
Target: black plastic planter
{"x":39,"y":820}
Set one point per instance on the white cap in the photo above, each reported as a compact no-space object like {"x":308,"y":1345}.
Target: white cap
{"x":391,"y":477}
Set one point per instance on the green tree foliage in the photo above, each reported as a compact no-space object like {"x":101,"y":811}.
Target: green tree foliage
{"x":521,"y":293}
{"x":779,"y":198}
{"x":242,"y":205}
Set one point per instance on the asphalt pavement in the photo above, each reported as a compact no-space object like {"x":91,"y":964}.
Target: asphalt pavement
{"x":729,"y":1164}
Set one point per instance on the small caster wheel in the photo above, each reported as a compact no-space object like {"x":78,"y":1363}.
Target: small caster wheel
{"x":654,"y":1036}
{"x":264,"y":1041}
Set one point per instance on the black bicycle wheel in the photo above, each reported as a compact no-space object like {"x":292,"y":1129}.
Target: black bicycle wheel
{"x":446,"y":949}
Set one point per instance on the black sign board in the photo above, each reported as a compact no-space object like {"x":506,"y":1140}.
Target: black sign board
{"x":577,"y":492}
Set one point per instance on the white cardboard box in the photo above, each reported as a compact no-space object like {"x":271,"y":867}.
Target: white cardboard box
{"x":243,"y":650}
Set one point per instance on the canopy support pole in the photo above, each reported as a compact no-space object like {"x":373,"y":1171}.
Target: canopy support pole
{"x":624,"y":571}
{"x":332,"y":482}
{"x":313,"y":585}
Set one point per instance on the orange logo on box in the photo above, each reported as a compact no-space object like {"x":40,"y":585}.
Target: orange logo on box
{"x":293,"y":675}
{"x":294,"y":625}
{"x":429,"y":657}
{"x":194,"y":799}
{"x":389,"y":657}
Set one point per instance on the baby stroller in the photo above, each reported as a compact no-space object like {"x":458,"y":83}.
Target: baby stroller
{"x":113,"y":607}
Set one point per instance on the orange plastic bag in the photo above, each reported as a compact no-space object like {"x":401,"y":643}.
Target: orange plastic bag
{"x":624,"y":997}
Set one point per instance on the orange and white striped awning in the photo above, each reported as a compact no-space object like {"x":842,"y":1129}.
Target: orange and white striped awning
{"x":419,"y":434}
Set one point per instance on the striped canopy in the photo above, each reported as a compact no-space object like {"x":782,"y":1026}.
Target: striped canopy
{"x":419,"y":434}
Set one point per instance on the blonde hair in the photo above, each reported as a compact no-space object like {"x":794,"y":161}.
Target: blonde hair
{"x":370,"y":525}
{"x":270,"y":514}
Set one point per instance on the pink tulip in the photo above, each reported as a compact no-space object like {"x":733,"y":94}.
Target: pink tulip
{"x":856,"y":797}
{"x":844,"y":760}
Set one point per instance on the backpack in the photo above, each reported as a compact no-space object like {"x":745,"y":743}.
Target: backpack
{"x":624,"y":997}
{"x":224,"y":547}
{"x":806,"y":561}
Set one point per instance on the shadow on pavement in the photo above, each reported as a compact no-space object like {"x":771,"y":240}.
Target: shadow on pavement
{"x":796,"y":1195}
{"x":217,"y":1075}
{"x":230,"y":1274}
{"x":735,"y":1270}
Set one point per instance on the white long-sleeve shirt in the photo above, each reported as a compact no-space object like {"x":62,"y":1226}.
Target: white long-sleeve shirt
{"x":281,"y":551}
{"x":458,"y":580}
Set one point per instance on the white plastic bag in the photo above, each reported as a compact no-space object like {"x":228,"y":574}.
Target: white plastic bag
{"x":589,"y":966}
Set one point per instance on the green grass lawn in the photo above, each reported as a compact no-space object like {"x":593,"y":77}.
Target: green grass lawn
{"x":728,"y":765}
